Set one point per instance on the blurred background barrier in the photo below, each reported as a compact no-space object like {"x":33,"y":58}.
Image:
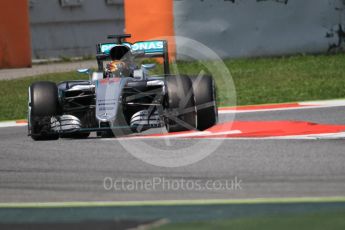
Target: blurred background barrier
{"x":232,"y":28}
{"x":247,"y":28}
{"x":69,"y":28}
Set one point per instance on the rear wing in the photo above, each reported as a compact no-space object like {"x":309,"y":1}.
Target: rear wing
{"x":144,"y":49}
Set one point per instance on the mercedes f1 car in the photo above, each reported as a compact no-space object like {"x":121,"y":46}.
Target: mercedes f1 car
{"x":122,"y":97}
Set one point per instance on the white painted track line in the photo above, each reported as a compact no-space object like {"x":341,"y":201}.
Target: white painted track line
{"x":6,"y":124}
{"x":300,"y":105}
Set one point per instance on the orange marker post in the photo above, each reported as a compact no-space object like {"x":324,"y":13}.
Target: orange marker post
{"x":15,"y":43}
{"x":150,"y":19}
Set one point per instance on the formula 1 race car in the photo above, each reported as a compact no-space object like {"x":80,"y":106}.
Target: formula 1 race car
{"x":121,"y":97}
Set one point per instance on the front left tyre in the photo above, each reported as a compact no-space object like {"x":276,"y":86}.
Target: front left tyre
{"x":43,"y":104}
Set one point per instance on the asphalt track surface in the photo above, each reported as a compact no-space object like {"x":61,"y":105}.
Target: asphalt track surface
{"x":74,"y":170}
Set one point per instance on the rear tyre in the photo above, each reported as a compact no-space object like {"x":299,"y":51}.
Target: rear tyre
{"x":179,"y":104}
{"x":205,"y":101}
{"x":43,"y":104}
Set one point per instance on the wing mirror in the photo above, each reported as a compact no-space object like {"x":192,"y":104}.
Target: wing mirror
{"x":84,"y":71}
{"x":148,"y":66}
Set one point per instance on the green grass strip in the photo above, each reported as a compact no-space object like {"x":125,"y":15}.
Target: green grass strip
{"x":174,"y":202}
{"x":313,"y":221}
{"x":256,"y":81}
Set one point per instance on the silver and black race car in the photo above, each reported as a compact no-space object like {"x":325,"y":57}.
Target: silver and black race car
{"x":122,"y":97}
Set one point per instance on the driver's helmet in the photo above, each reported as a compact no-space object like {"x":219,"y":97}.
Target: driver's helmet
{"x":117,"y":69}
